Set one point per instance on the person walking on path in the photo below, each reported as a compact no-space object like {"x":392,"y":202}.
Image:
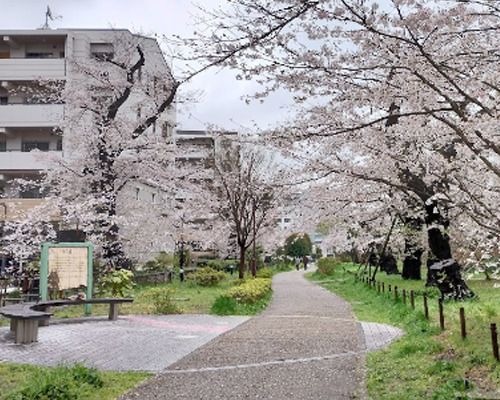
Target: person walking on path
{"x":305,"y":260}
{"x":306,"y":345}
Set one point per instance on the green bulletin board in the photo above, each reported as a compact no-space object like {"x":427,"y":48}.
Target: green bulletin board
{"x":71,"y":264}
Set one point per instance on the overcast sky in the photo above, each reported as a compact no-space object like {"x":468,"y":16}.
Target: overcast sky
{"x":219,"y":102}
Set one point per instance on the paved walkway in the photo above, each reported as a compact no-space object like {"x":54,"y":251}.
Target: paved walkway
{"x":140,"y":342}
{"x":306,"y":345}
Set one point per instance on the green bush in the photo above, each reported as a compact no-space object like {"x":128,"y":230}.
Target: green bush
{"x":265,"y":273}
{"x":328,"y":265}
{"x":161,"y":298}
{"x":251,"y":290}
{"x":60,"y":383}
{"x":224,"y":305}
{"x":117,"y":282}
{"x":206,"y":277}
{"x":283,"y":266}
{"x":160,"y":263}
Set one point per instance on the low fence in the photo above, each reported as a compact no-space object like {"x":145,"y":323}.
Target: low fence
{"x":408,"y":298}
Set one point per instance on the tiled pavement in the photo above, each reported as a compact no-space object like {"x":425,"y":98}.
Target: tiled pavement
{"x":146,"y":342}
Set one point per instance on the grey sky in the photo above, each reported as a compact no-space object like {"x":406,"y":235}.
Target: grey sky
{"x":219,"y":102}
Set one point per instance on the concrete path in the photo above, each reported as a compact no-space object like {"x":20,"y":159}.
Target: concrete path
{"x":306,"y":345}
{"x":140,"y":342}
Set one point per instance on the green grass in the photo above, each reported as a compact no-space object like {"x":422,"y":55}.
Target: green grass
{"x":14,"y":377}
{"x":426,"y":363}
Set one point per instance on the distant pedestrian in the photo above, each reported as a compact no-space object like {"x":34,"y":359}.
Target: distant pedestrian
{"x":305,"y":261}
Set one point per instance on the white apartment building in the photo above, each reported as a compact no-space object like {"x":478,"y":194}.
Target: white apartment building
{"x":30,"y":116}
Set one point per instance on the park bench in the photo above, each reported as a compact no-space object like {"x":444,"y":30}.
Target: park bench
{"x":26,"y":317}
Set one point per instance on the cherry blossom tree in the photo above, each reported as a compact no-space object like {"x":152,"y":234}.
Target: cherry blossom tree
{"x":403,"y":95}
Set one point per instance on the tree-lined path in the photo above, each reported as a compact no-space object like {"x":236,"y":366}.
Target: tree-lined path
{"x":306,"y":345}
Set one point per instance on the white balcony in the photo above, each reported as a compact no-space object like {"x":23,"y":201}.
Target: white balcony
{"x":29,"y":69}
{"x":31,"y":115}
{"x":28,"y":161}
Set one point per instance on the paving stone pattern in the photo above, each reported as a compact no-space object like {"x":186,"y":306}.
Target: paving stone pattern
{"x":147,"y":343}
{"x":306,"y":345}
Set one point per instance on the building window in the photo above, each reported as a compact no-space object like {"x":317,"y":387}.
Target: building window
{"x":4,"y":100}
{"x":137,"y":191}
{"x":59,"y":144}
{"x":102,"y":51}
{"x":28,"y":146}
{"x":3,"y":146}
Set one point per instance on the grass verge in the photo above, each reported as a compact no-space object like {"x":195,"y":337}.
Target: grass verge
{"x":426,"y":363}
{"x":28,"y":382}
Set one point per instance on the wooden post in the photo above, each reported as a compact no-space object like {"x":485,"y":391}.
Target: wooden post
{"x":494,"y":341}
{"x":412,"y":299}
{"x":426,"y":307}
{"x":113,"y":311}
{"x":441,"y":314}
{"x":463,"y":331}
{"x":404,"y":296}
{"x":383,"y":287}
{"x":389,"y":289}
{"x":395,"y":293}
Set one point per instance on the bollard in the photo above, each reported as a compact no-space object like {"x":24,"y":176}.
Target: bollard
{"x":395,"y":293}
{"x":441,"y":314}
{"x":412,"y":299}
{"x":404,"y":296}
{"x":426,"y":307}
{"x":462,"y":323}
{"x":494,"y":341}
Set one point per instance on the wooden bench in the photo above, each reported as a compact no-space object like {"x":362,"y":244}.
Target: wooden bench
{"x":26,"y":317}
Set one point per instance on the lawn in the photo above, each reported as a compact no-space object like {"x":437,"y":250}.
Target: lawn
{"x":15,"y":377}
{"x":187,"y":296}
{"x":426,"y":363}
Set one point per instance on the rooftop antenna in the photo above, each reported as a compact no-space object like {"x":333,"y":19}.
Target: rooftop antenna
{"x":49,"y":16}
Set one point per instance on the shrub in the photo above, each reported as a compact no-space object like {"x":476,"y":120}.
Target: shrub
{"x":161,"y":298}
{"x":117,"y":282}
{"x":206,"y":276}
{"x":283,"y":266}
{"x":251,"y":290}
{"x":60,"y":383}
{"x":327,"y":265}
{"x":265,"y":273}
{"x":224,"y":305}
{"x":160,"y":263}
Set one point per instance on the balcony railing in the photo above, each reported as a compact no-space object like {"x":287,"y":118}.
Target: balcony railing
{"x":31,"y":115}
{"x":22,"y":69}
{"x":27,"y":161}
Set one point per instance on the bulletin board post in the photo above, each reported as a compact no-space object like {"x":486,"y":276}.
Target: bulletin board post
{"x":49,"y":256}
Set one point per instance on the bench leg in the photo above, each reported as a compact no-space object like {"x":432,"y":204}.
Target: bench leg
{"x":44,"y":322}
{"x":26,"y":331}
{"x":113,"y":311}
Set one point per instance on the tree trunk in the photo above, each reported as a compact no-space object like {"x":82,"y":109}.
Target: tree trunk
{"x":241,"y":274}
{"x":388,"y":263}
{"x":444,"y":270}
{"x":413,"y":250}
{"x":412,"y":262}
